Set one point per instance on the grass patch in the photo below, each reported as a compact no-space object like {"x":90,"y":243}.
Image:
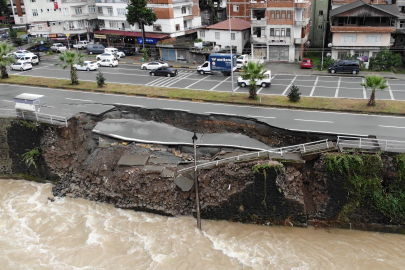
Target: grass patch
{"x":314,"y":103}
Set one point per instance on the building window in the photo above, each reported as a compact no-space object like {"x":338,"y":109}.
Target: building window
{"x":272,"y":32}
{"x":21,"y":20}
{"x":235,"y":8}
{"x":100,"y":10}
{"x":177,"y":27}
{"x":288,"y":32}
{"x":34,"y":12}
{"x":47,"y":10}
{"x":185,"y":24}
{"x":32,"y":1}
{"x":348,"y":38}
{"x":277,"y":14}
{"x":202,"y":33}
{"x":401,"y":24}
{"x":157,"y":27}
{"x":66,"y":11}
{"x":288,"y":14}
{"x":121,"y":11}
{"x":110,"y":11}
{"x":39,"y":26}
{"x":80,"y":24}
{"x":272,"y":14}
{"x":282,"y":14}
{"x":282,"y":32}
{"x":183,"y":10}
{"x":233,"y":36}
{"x":92,"y":9}
{"x":320,"y":13}
{"x":206,"y":16}
{"x":342,"y":55}
{"x":217,"y":36}
{"x":320,"y":26}
{"x":277,"y":32}
{"x":113,"y":24}
{"x":79,"y":11}
{"x":373,"y":38}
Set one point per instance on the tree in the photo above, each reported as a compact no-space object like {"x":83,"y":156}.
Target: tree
{"x":4,"y":11}
{"x":69,"y":59}
{"x":385,"y":60}
{"x":100,"y":79}
{"x":253,"y":72}
{"x":139,"y":13}
{"x":294,"y":95}
{"x":6,"y":58}
{"x":374,"y":82}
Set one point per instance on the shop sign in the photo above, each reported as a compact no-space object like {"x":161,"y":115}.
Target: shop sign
{"x":100,"y":36}
{"x":148,"y":40}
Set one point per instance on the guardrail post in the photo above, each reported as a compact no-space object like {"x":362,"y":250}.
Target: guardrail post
{"x":360,"y":143}
{"x":386,"y":142}
{"x":51,"y":120}
{"x":303,"y":145}
{"x":327,"y":144}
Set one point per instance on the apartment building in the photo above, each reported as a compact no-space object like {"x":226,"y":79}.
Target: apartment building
{"x":56,"y":19}
{"x":280,"y":29}
{"x":219,"y":14}
{"x":362,"y":29}
{"x":17,"y":11}
{"x":175,"y":17}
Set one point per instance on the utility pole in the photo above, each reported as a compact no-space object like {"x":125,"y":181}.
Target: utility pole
{"x":323,"y":41}
{"x":197,"y":199}
{"x":230,"y":44}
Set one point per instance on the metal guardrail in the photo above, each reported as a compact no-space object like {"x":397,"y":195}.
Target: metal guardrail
{"x":370,"y":144}
{"x":299,"y":148}
{"x":35,"y":116}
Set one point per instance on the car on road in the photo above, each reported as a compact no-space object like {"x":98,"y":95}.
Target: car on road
{"x":95,"y":48}
{"x":265,"y":82}
{"x":81,"y":45}
{"x":58,"y":47}
{"x":21,"y":53}
{"x":121,"y":54}
{"x":163,"y":71}
{"x":307,"y":63}
{"x":32,"y":58}
{"x":87,"y":65}
{"x":346,"y":66}
{"x":154,"y":65}
{"x":21,"y":66}
{"x":107,"y":63}
{"x":106,"y":56}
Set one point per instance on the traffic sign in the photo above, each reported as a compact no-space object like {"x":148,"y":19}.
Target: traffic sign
{"x":67,"y":34}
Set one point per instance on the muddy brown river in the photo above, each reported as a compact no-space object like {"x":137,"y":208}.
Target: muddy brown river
{"x":36,"y":233}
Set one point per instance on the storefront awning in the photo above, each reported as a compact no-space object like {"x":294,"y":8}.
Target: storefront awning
{"x":131,"y":34}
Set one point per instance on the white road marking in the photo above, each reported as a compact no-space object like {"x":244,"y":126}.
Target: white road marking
{"x":179,"y":79}
{"x":219,"y":84}
{"x":221,"y":113}
{"x":337,"y":89}
{"x":80,"y":99}
{"x":288,"y":87}
{"x":260,"y":89}
{"x":313,"y":88}
{"x":257,"y":116}
{"x":313,"y":121}
{"x":132,"y":105}
{"x":390,"y":126}
{"x":205,"y":77}
{"x":174,"y":109}
{"x":8,"y":100}
{"x":236,"y":89}
{"x":389,"y":90}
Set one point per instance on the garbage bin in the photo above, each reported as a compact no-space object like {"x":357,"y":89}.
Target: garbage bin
{"x":143,"y":59}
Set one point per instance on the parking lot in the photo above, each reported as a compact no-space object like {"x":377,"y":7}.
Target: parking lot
{"x":309,"y":85}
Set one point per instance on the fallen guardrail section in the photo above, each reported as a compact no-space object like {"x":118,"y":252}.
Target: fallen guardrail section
{"x":370,"y":144}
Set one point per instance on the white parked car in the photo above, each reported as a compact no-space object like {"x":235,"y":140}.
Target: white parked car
{"x":29,"y":58}
{"x":81,"y":45}
{"x":113,"y":51}
{"x":121,"y":54}
{"x":58,"y":47}
{"x":265,"y":82}
{"x":21,"y":66}
{"x":87,"y":65}
{"x":106,"y":56}
{"x":21,"y":53}
{"x":107,"y":63}
{"x":154,"y":65}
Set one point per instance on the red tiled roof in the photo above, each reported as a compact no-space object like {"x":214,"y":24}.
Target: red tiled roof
{"x":131,"y":34}
{"x":236,"y":25}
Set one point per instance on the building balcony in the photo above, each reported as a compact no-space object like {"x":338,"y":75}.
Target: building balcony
{"x":256,"y":39}
{"x":302,"y":3}
{"x":74,"y":30}
{"x":80,"y":15}
{"x":112,"y":1}
{"x":258,"y":3}
{"x":301,"y":40}
{"x":363,"y":29}
{"x":219,"y":5}
{"x":256,"y":22}
{"x":301,"y":22}
{"x":279,"y":41}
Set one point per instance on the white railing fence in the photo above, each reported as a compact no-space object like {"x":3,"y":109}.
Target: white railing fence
{"x":299,"y":148}
{"x":35,"y":116}
{"x":370,"y":144}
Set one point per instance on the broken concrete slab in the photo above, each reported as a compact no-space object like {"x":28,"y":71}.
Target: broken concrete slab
{"x":167,"y":173}
{"x":184,"y":183}
{"x":158,"y":160}
{"x":149,"y":168}
{"x":133,"y":160}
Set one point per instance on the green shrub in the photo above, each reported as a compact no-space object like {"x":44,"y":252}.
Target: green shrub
{"x":294,"y":95}
{"x":198,"y":40}
{"x":385,"y":60}
{"x":100,"y":79}
{"x":31,"y":156}
{"x":145,"y":54}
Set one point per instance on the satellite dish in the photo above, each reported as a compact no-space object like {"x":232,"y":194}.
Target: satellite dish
{"x":217,"y":48}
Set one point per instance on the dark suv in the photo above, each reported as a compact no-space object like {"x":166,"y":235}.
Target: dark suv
{"x":347,"y":66}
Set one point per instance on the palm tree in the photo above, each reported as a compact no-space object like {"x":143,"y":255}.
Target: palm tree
{"x":253,"y":72}
{"x":6,"y":58}
{"x":374,"y":82}
{"x":71,"y":58}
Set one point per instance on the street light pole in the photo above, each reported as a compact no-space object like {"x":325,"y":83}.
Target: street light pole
{"x":230,"y":44}
{"x":323,"y":41}
{"x":197,"y":199}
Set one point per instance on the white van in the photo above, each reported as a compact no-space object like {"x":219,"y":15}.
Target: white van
{"x":265,"y":82}
{"x":32,"y":58}
{"x":112,"y":51}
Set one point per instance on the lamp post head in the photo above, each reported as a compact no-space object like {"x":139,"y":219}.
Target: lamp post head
{"x":194,"y":138}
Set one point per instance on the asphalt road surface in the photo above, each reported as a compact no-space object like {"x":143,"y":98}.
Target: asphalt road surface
{"x":314,"y":86}
{"x":67,"y":103}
